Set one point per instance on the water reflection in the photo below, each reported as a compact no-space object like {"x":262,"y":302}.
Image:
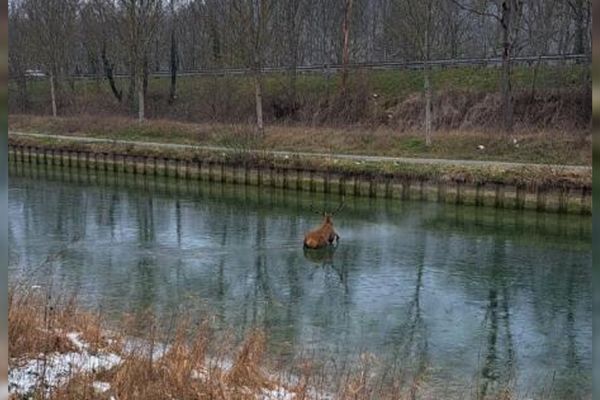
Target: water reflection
{"x":470,"y":300}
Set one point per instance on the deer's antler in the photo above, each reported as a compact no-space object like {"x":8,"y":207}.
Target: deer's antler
{"x":339,"y":208}
{"x":316,"y":211}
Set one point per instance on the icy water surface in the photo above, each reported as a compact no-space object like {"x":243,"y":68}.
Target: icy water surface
{"x":474,"y":299}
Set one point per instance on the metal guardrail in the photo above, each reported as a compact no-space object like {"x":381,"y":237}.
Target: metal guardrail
{"x":384,"y":65}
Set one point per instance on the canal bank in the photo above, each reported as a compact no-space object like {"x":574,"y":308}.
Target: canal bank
{"x":549,"y":188}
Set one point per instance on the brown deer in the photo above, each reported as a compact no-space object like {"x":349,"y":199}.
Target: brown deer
{"x":325,"y":235}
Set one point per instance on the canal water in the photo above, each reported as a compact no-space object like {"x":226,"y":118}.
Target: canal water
{"x":474,"y":299}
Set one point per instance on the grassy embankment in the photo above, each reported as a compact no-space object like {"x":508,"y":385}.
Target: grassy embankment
{"x":546,"y":98}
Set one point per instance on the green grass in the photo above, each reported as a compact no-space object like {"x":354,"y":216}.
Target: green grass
{"x":391,"y":84}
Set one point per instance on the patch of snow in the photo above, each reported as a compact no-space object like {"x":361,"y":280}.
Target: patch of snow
{"x":57,"y":369}
{"x":195,"y":374}
{"x":277,"y":394}
{"x":101,"y":387}
{"x":74,"y":338}
{"x":481,"y":147}
{"x":145,"y":348}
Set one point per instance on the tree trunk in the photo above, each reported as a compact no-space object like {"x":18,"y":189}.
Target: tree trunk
{"x":580,"y":27}
{"x":507,"y":101}
{"x":173,"y":91}
{"x":131,"y":90}
{"x":345,"y":50}
{"x":260,"y":128}
{"x":23,"y":96}
{"x":427,"y":76}
{"x":145,"y":74}
{"x":428,"y":106}
{"x":141,"y":109}
{"x":108,"y":72}
{"x":53,"y":95}
{"x":293,"y":78}
{"x":293,"y":34}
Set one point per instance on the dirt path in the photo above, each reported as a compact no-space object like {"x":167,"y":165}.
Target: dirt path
{"x":279,"y":153}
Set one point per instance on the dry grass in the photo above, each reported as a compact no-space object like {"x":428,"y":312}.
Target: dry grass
{"x":535,"y":146}
{"x":39,"y":326}
{"x":37,"y":323}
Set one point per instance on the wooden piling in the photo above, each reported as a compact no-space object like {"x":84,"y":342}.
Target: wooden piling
{"x":540,"y":198}
{"x":499,"y":196}
{"x":459,"y":198}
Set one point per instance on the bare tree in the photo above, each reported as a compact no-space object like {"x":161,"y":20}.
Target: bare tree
{"x":509,"y":21}
{"x":100,"y":21}
{"x":417,"y":22}
{"x":252,"y":20}
{"x":18,"y":56}
{"x":581,"y":10}
{"x":346,"y":42}
{"x":52,"y":24}
{"x":294,"y":11}
{"x":174,"y":59}
{"x":142,"y":19}
{"x":508,"y":14}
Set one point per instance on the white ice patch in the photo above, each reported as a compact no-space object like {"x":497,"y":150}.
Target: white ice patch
{"x":74,"y":338}
{"x":195,"y":374}
{"x":277,"y":394}
{"x":56,"y":369}
{"x":101,"y":387}
{"x":145,"y":348}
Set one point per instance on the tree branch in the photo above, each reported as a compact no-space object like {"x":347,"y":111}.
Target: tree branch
{"x":475,"y":11}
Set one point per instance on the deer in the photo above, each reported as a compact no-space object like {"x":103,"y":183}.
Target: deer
{"x":324,"y":235}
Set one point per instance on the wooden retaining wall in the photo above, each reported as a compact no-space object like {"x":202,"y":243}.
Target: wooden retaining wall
{"x":541,"y":198}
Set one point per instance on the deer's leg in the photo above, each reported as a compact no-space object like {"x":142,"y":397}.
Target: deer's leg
{"x":334,"y":238}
